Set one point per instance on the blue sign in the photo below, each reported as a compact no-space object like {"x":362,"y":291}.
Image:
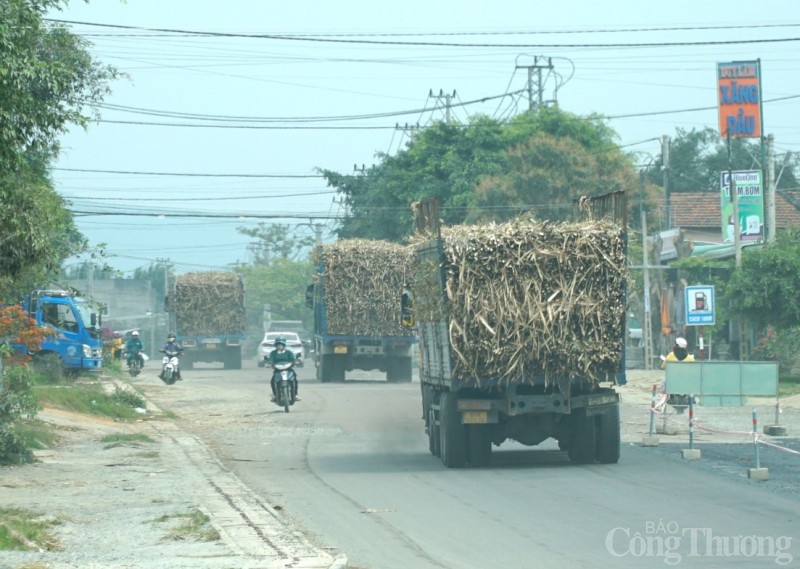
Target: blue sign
{"x":700,"y":305}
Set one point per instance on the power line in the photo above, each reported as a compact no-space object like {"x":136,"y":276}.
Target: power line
{"x":188,"y":174}
{"x":322,"y":39}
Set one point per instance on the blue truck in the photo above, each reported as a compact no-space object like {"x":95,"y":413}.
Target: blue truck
{"x":356,"y":299}
{"x":521,"y":333}
{"x":208,"y":317}
{"x":74,"y":332}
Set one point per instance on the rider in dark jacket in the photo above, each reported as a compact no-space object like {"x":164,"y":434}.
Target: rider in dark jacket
{"x":172,"y":345}
{"x":280,"y":355}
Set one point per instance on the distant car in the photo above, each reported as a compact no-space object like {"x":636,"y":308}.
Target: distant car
{"x":293,"y":343}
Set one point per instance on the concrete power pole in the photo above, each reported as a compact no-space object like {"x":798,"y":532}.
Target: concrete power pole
{"x":536,"y":70}
{"x":448,"y":101}
{"x":771,"y":184}
{"x":665,"y":165}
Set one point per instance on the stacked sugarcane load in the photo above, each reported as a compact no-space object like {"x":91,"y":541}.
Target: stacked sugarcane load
{"x":529,"y":299}
{"x":209,"y":304}
{"x":363,"y":283}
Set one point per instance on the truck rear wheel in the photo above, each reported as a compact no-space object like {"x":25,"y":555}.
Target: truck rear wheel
{"x":581,"y":449}
{"x":233,"y":359}
{"x":479,"y":445}
{"x":453,"y":434}
{"x":608,"y":439}
{"x":434,"y":435}
{"x":331,"y":368}
{"x":398,"y":370}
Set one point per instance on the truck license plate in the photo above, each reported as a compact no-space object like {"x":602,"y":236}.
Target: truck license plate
{"x":211,"y":346}
{"x":475,"y":417}
{"x":340,"y":349}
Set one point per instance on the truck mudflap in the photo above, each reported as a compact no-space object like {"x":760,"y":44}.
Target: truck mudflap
{"x":487,"y":411}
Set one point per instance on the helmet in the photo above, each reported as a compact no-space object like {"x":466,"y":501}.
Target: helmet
{"x":280,"y":340}
{"x":170,"y":337}
{"x":681,"y":343}
{"x":135,"y":334}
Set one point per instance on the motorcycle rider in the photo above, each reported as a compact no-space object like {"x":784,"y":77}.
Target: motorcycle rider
{"x":172,"y":346}
{"x":133,"y":346}
{"x":679,"y":353}
{"x":280,"y":355}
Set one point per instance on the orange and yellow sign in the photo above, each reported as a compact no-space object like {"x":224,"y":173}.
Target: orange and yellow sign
{"x":739,"y":99}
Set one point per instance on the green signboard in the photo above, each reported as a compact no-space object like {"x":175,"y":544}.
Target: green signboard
{"x":750,"y":196}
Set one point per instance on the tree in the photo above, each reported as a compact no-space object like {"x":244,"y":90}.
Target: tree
{"x":697,"y":157}
{"x":486,"y":170}
{"x":276,"y":241}
{"x":47,"y":78}
{"x":766,"y":289}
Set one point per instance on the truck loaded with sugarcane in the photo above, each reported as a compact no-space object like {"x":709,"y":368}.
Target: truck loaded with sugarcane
{"x":521,"y":334}
{"x":355,"y":297}
{"x":207,"y":312}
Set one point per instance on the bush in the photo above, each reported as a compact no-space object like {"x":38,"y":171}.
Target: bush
{"x":16,"y":401}
{"x":782,"y":346}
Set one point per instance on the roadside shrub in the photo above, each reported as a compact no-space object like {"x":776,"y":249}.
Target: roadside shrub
{"x":782,"y":346}
{"x":16,"y":402}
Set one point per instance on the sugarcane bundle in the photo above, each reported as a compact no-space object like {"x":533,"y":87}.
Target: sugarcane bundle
{"x":363,"y":282}
{"x":209,"y":303}
{"x":529,"y":299}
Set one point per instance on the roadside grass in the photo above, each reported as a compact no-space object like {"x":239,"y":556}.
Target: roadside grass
{"x":193,"y":525}
{"x":120,"y":439}
{"x":36,"y":434}
{"x":788,"y":386}
{"x":91,"y":399}
{"x":21,"y":530}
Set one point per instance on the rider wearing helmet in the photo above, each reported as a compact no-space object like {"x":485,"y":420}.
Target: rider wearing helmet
{"x":679,"y":353}
{"x":172,"y":345}
{"x":133,"y":346}
{"x":281,"y":355}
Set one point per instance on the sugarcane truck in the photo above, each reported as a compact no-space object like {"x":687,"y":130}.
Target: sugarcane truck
{"x":464,"y":418}
{"x":337,"y":351}
{"x":207,"y":312}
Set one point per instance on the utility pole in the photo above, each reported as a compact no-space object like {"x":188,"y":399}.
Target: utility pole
{"x":535,"y":70}
{"x":448,"y":101}
{"x":665,"y":165}
{"x":771,"y":184}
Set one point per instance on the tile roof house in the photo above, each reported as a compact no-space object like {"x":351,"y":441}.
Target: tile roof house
{"x":696,"y":218}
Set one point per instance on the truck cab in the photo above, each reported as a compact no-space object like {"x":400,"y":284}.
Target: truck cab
{"x":73,"y":329}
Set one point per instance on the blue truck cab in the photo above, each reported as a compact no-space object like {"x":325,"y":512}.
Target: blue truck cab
{"x":74,"y":332}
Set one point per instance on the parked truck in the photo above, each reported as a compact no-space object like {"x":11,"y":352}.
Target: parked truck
{"x":74,"y":332}
{"x":208,"y":315}
{"x":521,"y":336}
{"x":355,"y":297}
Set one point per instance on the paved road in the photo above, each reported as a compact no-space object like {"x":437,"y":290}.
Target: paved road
{"x":350,"y":465}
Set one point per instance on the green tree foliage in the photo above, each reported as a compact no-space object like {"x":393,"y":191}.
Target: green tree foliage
{"x":696,"y":158}
{"x":766,"y":289}
{"x":278,"y":275}
{"x":486,"y":170}
{"x":281,"y":284}
{"x":47,"y":78}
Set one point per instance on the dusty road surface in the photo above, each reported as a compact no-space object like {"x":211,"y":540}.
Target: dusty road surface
{"x":346,"y":478}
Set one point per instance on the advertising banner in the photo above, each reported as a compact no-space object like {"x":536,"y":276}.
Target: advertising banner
{"x":750,"y":196}
{"x":739,"y":99}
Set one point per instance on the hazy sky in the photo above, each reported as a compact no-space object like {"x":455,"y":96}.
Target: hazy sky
{"x":234,"y":127}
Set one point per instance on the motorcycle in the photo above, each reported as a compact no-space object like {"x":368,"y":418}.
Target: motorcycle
{"x":137,"y":359}
{"x":285,"y":381}
{"x":170,"y":366}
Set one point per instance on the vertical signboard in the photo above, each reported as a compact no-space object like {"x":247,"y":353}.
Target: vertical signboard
{"x":700,"y":309}
{"x":739,"y":99}
{"x":750,"y":197}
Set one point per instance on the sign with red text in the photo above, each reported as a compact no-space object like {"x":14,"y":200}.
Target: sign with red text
{"x":739,"y":99}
